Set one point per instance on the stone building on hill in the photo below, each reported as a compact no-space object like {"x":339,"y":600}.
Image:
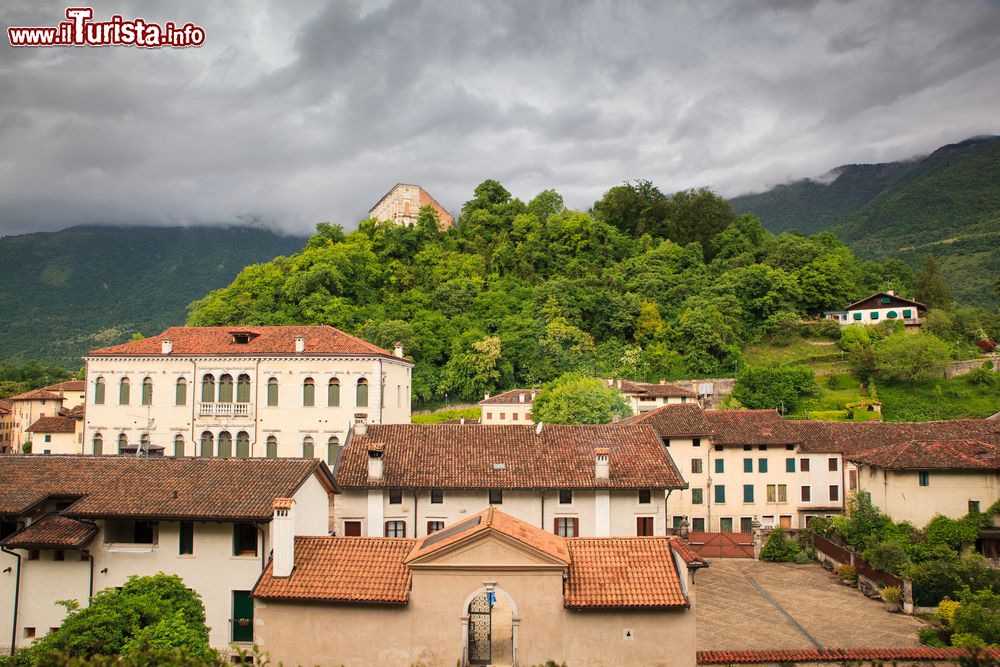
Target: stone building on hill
{"x":402,"y":204}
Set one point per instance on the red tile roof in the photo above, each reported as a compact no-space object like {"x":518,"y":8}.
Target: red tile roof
{"x":265,"y":341}
{"x":674,"y":420}
{"x":154,"y":488}
{"x":842,"y":655}
{"x":933,"y":455}
{"x":37,"y":395}
{"x":53,"y":425}
{"x":750,"y":427}
{"x":652,"y":390}
{"x":343,"y":569}
{"x":68,"y":385}
{"x":76,"y":412}
{"x":511,"y":397}
{"x":452,"y":456}
{"x":52,"y":532}
{"x":852,"y":438}
{"x":623,"y":572}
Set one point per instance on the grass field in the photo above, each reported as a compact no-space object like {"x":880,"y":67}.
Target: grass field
{"x":812,"y":352}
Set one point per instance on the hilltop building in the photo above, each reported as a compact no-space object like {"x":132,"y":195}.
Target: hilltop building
{"x":646,"y":396}
{"x":880,"y":307}
{"x":402,"y":204}
{"x":509,"y":407}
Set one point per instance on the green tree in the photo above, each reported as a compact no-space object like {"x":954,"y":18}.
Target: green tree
{"x":911,"y":358}
{"x":930,"y":287}
{"x":577,"y":399}
{"x":470,"y":374}
{"x":979,"y":616}
{"x":781,"y":387}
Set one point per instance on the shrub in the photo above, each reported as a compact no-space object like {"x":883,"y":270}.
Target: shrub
{"x":931,"y":637}
{"x":778,"y":549}
{"x":891,"y":594}
{"x":888,"y":557}
{"x":981,"y":377}
{"x":945,"y":612}
{"x":951,"y":532}
{"x":977,"y":619}
{"x":846,"y":572}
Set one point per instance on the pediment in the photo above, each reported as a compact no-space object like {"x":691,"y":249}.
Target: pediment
{"x":489,"y":549}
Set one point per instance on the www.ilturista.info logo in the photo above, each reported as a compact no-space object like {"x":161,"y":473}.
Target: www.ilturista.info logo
{"x":79,"y":30}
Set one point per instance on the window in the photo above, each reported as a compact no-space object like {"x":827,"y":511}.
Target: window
{"x":226,"y":388}
{"x":185,"y":545}
{"x":720,"y":494}
{"x":790,"y":465}
{"x":207,"y":444}
{"x":747,"y":465}
{"x":665,"y":441}
{"x":907,"y":313}
{"x":698,"y":524}
{"x":695,"y":465}
{"x":29,"y":632}
{"x":333,"y":393}
{"x":832,"y":463}
{"x":225,"y":444}
{"x":98,"y":444}
{"x":395,"y":496}
{"x":352,"y":528}
{"x":308,"y":450}
{"x":437,"y":496}
{"x":892,"y":315}
{"x":720,"y":465}
{"x":644,"y":526}
{"x":147,"y":391}
{"x":271,"y":447}
{"x":973,"y":507}
{"x":514,"y":416}
{"x":697,"y":496}
{"x":434,"y":526}
{"x":857,"y":316}
{"x":790,"y":448}
{"x":178,"y":445}
{"x":762,"y":448}
{"x":925,"y":478}
{"x":761,"y":465}
{"x":726,"y":524}
{"x":747,"y":448}
{"x":874,"y":314}
{"x":852,"y":479}
{"x":34,"y":554}
{"x":181,"y":392}
{"x":308,"y":393}
{"x":244,"y":539}
{"x":489,"y":415}
{"x":645,"y":496}
{"x":208,"y":388}
{"x":395,"y":529}
{"x":777,"y":493}
{"x":675,"y":522}
{"x":567,"y":526}
{"x":748,"y":493}
{"x":243,"y":388}
{"x":58,"y":555}
{"x":243,"y":445}
{"x":361,"y":394}
{"x":746,"y":524}
{"x":503,"y":415}
{"x":48,"y":437}
{"x":99,"y":391}
{"x":696,"y":442}
{"x":123,"y":392}
{"x":130,"y":532}
{"x":332,"y":450}
{"x":496,"y":497}
{"x":806,"y":494}
{"x":834,"y":492}
{"x":717,"y":448}
{"x":565,"y":497}
{"x":272,"y":392}
{"x":122,"y":442}
{"x":804,"y":465}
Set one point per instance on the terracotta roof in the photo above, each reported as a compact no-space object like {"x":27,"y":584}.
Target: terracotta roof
{"x":654,"y":390}
{"x":5,"y":406}
{"x":265,"y":341}
{"x":76,"y":412}
{"x":623,"y":572}
{"x":68,"y":385}
{"x":452,"y":456}
{"x":853,"y":438}
{"x":53,"y":425}
{"x":879,"y":655}
{"x":750,"y":427}
{"x":343,"y":569}
{"x":511,"y":397}
{"x":674,"y":420}
{"x":52,"y":532}
{"x":933,"y":455}
{"x":36,"y":395}
{"x":492,"y":520}
{"x":154,"y":488}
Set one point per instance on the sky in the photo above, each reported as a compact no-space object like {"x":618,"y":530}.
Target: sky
{"x":293,"y":113}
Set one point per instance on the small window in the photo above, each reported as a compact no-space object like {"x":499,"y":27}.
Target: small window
{"x":99,"y":391}
{"x":308,"y":448}
{"x":907,"y":314}
{"x":746,"y":524}
{"x":697,"y":496}
{"x":352,"y":528}
{"x":762,"y":448}
{"x":567,"y":526}
{"x":645,"y":496}
{"x":874,"y":314}
{"x":761,"y":465}
{"x":333,"y":393}
{"x":644,"y":526}
{"x":834,"y":492}
{"x":892,"y":314}
{"x":309,"y":393}
{"x":514,"y":416}
{"x":696,"y":442}
{"x":496,"y":497}
{"x":973,"y":507}
{"x":395,"y":529}
{"x":565,"y":497}
{"x":243,"y":388}
{"x":720,"y":465}
{"x":122,"y":442}
{"x":790,"y":465}
{"x":790,"y":448}
{"x":332,"y":450}
{"x":59,"y":555}
{"x":803,"y":465}
{"x":34,"y":554}
{"x":720,"y":494}
{"x":181,"y":392}
{"x":434,"y":526}
{"x":98,"y":444}
{"x":747,"y":448}
{"x":244,"y":539}
{"x":243,"y":445}
{"x":717,"y":448}
{"x":225,"y":444}
{"x":748,"y":493}
{"x":48,"y":437}
{"x":130,"y":532}
{"x":272,"y":392}
{"x":695,"y":465}
{"x":726,"y":524}
{"x":806,"y":494}
{"x":271,"y":447}
{"x":437,"y":496}
{"x":833,"y":465}
{"x":395,"y":496}
{"x":29,"y":632}
{"x":698,"y":524}
{"x":208,"y":388}
{"x":747,"y":465}
{"x":361,"y":394}
{"x":886,"y":299}
{"x":123,"y":392}
{"x":186,"y":540}
{"x":857,"y":316}
{"x":925,"y":478}
{"x":226,"y":389}
{"x":147,"y":391}
{"x":178,"y":445}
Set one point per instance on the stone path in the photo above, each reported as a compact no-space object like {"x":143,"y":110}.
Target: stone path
{"x":747,"y":604}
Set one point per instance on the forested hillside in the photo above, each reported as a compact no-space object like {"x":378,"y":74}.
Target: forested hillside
{"x":946,"y":205}
{"x":64,"y":293}
{"x":644,"y":286}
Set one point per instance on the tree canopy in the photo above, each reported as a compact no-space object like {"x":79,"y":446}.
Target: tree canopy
{"x":576,"y":399}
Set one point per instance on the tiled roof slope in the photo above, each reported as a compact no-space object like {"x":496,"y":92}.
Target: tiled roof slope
{"x":52,"y":532}
{"x":343,"y":569}
{"x":933,"y":455}
{"x":622,"y":572}
{"x":841,"y":655}
{"x":674,"y":420}
{"x":76,"y":412}
{"x":53,"y":425}
{"x":654,"y":390}
{"x":5,"y":406}
{"x":853,"y":438}
{"x":450,"y":456}
{"x":511,"y":397}
{"x":37,"y":395}
{"x":68,"y":385}
{"x":749,"y":427}
{"x":493,"y":520}
{"x":270,"y":341}
{"x":154,"y":488}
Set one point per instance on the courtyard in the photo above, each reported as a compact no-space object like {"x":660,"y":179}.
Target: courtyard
{"x":748,"y":604}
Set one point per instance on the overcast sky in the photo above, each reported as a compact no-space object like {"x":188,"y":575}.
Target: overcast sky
{"x":296,"y":112}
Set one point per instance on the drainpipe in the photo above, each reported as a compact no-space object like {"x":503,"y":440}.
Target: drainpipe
{"x":90,"y":557}
{"x":17,"y":594}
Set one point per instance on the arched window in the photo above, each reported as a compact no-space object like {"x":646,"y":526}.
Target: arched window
{"x":333,"y":393}
{"x":332,"y":449}
{"x":308,"y":393}
{"x":208,"y":388}
{"x":362,"y":393}
{"x":243,"y":444}
{"x":122,"y":442}
{"x":207,"y":444}
{"x":178,"y":445}
{"x":98,"y":444}
{"x":243,"y":389}
{"x":272,"y":447}
{"x":147,"y":391}
{"x":99,"y":392}
{"x":225,"y":443}
{"x":123,"y":392}
{"x":226,"y":388}
{"x":308,"y":449}
{"x":181,"y":392}
{"x":272,"y":392}
{"x":144,"y":442}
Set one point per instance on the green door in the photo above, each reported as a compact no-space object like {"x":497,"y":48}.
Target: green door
{"x":242,"y":617}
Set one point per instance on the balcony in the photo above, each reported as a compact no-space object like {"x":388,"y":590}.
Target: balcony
{"x":225,"y":410}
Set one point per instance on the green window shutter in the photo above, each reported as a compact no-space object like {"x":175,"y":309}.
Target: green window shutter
{"x":242,"y":617}
{"x":748,"y":493}
{"x":907,"y":313}
{"x":892,"y":315}
{"x":874,"y":315}
{"x":99,"y":392}
{"x":226,"y":389}
{"x":206,"y":444}
{"x":123,"y":392}
{"x":179,"y":445}
{"x":333,"y":394}
{"x":272,"y":392}
{"x":857,"y":316}
{"x":225,"y":444}
{"x":208,"y":389}
{"x":272,"y":447}
{"x":720,"y":465}
{"x":720,"y":494}
{"x":362,"y":394}
{"x":243,"y":444}
{"x":147,"y":392}
{"x":886,"y":299}
{"x":761,"y":465}
{"x":789,"y":465}
{"x":726,"y":525}
{"x":186,"y":546}
{"x":243,"y":389}
{"x":747,"y":465}
{"x":308,"y":449}
{"x":697,"y":496}
{"x":181,"y":392}
{"x":98,"y":444}
{"x":309,"y":394}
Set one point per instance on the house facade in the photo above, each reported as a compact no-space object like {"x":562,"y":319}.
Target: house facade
{"x":880,"y":307}
{"x":6,"y":425}
{"x":61,"y":434}
{"x":402,"y":204}
{"x":509,"y":407}
{"x":68,"y":532}
{"x":490,"y":589}
{"x":26,"y":409}
{"x":646,"y":396}
{"x":242,"y":391}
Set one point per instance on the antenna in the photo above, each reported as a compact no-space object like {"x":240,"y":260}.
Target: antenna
{"x":142,"y":449}
{"x":538,"y":429}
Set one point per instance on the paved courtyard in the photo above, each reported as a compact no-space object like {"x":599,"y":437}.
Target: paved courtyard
{"x":747,"y":604}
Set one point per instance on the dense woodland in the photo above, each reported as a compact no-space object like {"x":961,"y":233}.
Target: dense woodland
{"x":644,"y":285}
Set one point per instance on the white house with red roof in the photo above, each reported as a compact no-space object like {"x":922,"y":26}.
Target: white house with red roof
{"x":244,"y":391}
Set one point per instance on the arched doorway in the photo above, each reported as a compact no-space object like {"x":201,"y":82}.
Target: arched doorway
{"x":491,"y":628}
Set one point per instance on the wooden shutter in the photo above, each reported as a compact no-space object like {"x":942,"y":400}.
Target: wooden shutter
{"x":576,"y":527}
{"x":555,"y":526}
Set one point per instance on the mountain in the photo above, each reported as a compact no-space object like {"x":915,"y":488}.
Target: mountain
{"x":64,"y":293}
{"x":946,"y":204}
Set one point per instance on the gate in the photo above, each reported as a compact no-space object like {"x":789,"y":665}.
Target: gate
{"x":722,"y":545}
{"x":480,"y":630}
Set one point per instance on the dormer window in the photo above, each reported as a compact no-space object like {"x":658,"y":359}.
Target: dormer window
{"x":242,"y":337}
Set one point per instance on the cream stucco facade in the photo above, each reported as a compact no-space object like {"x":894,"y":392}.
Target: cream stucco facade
{"x":25,"y":412}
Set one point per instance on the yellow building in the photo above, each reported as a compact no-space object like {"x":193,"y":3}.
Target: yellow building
{"x":402,"y":205}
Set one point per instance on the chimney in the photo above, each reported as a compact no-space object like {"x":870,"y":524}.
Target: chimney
{"x":663,"y":381}
{"x":486,"y":396}
{"x":891,"y":292}
{"x":167,"y":346}
{"x":360,"y":423}
{"x":615,"y":418}
{"x":397,"y":349}
{"x":375,"y":463}
{"x":694,"y":387}
{"x":521,"y":396}
{"x":300,"y":344}
{"x":602,"y":471}
{"x":283,"y":537}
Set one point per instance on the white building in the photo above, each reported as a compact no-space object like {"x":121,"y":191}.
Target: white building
{"x":509,"y":407}
{"x":284,"y":391}
{"x":72,"y":526}
{"x":880,"y":307}
{"x":646,"y":396}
